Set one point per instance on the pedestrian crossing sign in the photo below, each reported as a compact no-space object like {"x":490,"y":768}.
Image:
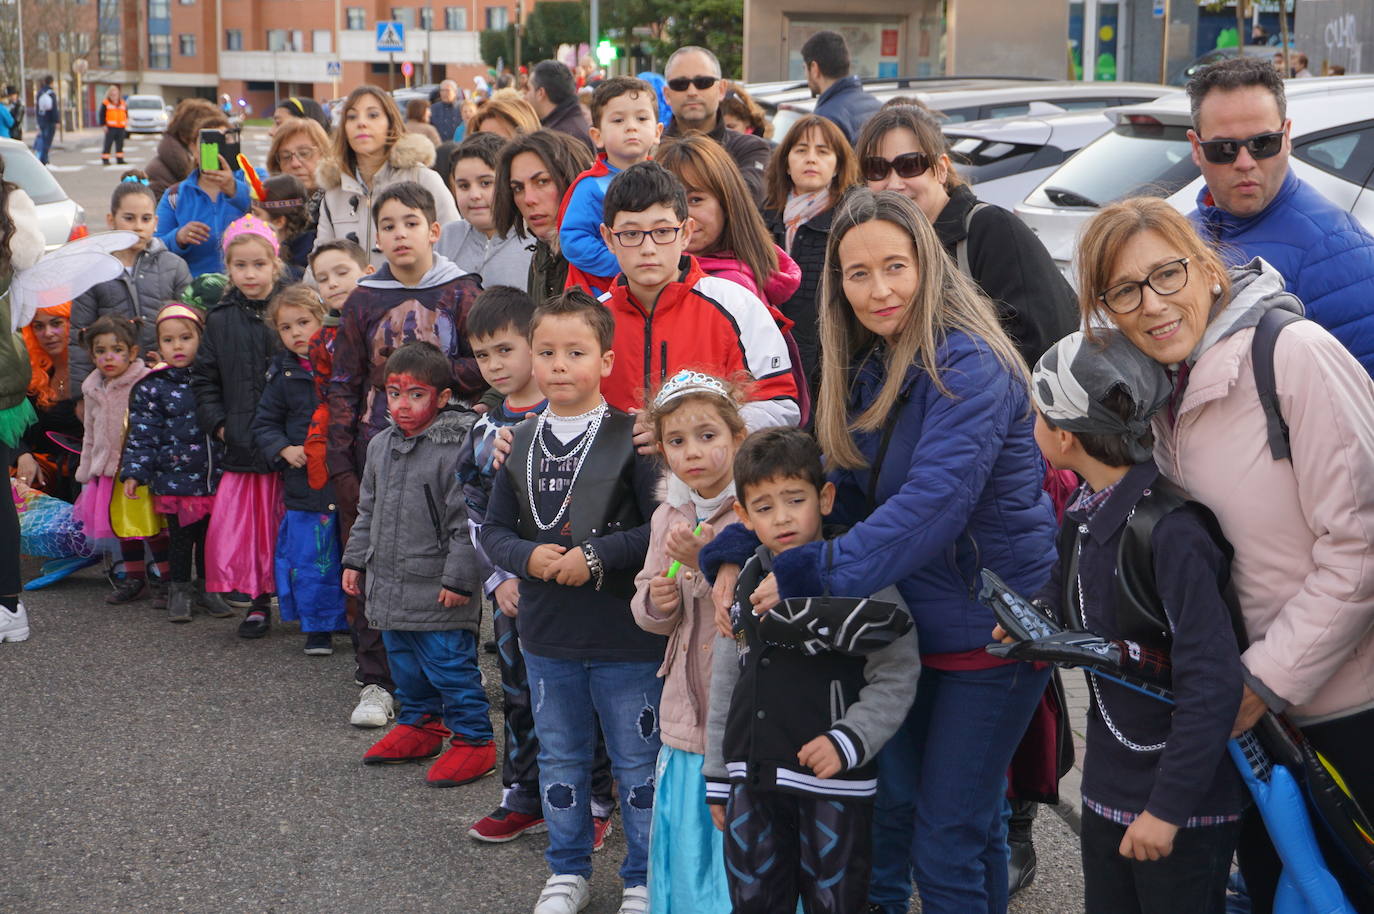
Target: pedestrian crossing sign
{"x":391,"y":36}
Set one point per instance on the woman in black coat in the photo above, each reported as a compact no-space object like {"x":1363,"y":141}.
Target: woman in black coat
{"x":809,"y":172}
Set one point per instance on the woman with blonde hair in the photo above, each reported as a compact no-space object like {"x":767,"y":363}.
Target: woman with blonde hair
{"x":505,"y":114}
{"x":371,"y":152}
{"x":298,"y":148}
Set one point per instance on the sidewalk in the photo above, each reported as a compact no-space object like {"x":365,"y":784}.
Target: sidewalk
{"x":1071,"y":786}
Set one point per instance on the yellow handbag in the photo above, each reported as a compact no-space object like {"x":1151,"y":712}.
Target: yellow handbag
{"x":133,"y":517}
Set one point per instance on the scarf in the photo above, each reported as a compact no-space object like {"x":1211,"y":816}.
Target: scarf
{"x":802,"y":208}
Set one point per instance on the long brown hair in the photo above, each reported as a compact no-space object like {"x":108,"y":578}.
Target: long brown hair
{"x":703,"y":165}
{"x":945,"y":301}
{"x":395,"y":129}
{"x":920,"y":122}
{"x":1111,"y":229}
{"x":779,"y":182}
{"x":564,"y":157}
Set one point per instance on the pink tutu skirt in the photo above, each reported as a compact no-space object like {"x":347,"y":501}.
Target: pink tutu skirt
{"x":242,"y":536}
{"x":187,"y":509}
{"x":92,"y":508}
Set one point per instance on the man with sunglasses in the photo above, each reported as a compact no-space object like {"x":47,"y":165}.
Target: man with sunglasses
{"x":694,"y":90}
{"x":1254,"y":206}
{"x":840,"y":97}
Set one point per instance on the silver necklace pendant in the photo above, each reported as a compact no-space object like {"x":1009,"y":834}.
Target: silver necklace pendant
{"x":579,"y":453}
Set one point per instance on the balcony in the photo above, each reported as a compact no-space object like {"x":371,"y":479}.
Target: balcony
{"x":306,"y":67}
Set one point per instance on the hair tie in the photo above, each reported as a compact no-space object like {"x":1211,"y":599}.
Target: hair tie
{"x":297,"y":102}
{"x":135,"y":179}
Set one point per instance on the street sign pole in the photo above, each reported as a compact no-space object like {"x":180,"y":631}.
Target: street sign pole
{"x":391,"y":72}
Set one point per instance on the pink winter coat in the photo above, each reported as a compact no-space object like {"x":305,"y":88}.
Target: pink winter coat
{"x":777,"y":290}
{"x":107,"y":406}
{"x":1302,"y":530}
{"x":691,"y":631}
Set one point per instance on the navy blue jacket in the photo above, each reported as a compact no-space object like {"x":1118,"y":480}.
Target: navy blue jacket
{"x":848,"y":105}
{"x":282,"y":420}
{"x":959,"y":489}
{"x":166,"y":449}
{"x":1325,"y":255}
{"x":230,"y":372}
{"x":1192,"y":775}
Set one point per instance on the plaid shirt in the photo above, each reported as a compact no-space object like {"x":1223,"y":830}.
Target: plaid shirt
{"x":1121,"y":817}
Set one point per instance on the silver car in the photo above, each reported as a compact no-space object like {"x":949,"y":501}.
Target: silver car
{"x":147,"y":113}
{"x":1147,"y":152}
{"x":60,"y":219}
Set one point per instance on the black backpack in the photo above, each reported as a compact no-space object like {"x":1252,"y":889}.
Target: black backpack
{"x":1262,"y":362}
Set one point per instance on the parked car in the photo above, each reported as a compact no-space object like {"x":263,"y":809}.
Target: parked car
{"x":1218,"y":54}
{"x":147,"y":113}
{"x":1147,"y":153}
{"x":59,"y":217}
{"x":984,"y":98}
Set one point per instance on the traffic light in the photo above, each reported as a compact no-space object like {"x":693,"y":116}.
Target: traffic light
{"x":605,"y":53}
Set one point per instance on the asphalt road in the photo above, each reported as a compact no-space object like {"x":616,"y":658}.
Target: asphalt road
{"x":146,"y":766}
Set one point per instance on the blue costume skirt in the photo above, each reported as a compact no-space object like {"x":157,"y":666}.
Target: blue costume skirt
{"x":686,"y":854}
{"x":308,"y":573}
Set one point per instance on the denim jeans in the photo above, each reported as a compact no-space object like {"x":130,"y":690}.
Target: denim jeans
{"x":1192,"y":878}
{"x":42,"y":144}
{"x":436,"y":676}
{"x":568,"y":696}
{"x":938,"y":816}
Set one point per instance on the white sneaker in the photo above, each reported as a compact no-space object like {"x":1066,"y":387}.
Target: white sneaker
{"x":375,"y":708}
{"x":14,"y":626}
{"x":635,"y":900}
{"x":564,"y":895}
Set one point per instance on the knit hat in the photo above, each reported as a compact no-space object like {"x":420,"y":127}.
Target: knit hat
{"x":249,"y":225}
{"x":1071,"y":381}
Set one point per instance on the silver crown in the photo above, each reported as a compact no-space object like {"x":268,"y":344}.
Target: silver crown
{"x":690,"y":382}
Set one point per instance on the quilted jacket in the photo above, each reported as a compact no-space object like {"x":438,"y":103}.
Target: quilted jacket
{"x":166,"y":448}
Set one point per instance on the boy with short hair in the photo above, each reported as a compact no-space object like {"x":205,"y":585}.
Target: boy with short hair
{"x":1162,"y":799}
{"x":337,"y":266}
{"x":798,"y":711}
{"x":417,"y":295}
{"x":670,"y":315}
{"x":625,"y":128}
{"x":569,"y":512}
{"x":411,"y":541}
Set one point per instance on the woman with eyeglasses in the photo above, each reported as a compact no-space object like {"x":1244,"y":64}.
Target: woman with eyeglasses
{"x":1300,"y":525}
{"x":902,"y":149}
{"x":298,"y":147}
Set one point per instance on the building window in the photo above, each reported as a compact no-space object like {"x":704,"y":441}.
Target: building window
{"x":426,"y":18}
{"x":186,"y":2}
{"x":83,"y":43}
{"x":354,"y":19}
{"x":233,"y":39}
{"x":497,"y":17}
{"x":159,"y":9}
{"x":322,"y":41}
{"x":188,"y":45}
{"x":405,"y":15}
{"x":110,"y":51}
{"x":108,"y":9}
{"x":456,"y":18}
{"x":160,"y":52}
{"x":278,"y":40}
{"x":42,"y":41}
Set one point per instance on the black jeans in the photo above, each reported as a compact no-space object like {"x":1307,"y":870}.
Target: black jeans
{"x":9,"y":534}
{"x":187,"y":549}
{"x":1191,"y":879}
{"x":114,"y":139}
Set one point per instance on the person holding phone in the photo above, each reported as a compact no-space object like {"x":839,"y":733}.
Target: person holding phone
{"x":192,"y":215}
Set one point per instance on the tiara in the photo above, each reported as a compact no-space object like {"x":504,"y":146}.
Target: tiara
{"x":690,"y":382}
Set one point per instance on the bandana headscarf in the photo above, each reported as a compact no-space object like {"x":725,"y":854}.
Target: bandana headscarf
{"x":1071,"y":381}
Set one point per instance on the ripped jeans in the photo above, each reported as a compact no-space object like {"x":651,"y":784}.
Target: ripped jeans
{"x":567,"y":696}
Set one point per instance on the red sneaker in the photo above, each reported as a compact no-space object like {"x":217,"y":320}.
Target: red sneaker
{"x":505,"y":825}
{"x":600,"y":829}
{"x":463,"y":763}
{"x":404,"y":743}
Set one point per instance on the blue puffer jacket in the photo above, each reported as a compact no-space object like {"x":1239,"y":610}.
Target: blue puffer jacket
{"x":848,"y":105}
{"x":166,"y":449}
{"x":1325,"y":255}
{"x":959,"y":489}
{"x":283,"y":419}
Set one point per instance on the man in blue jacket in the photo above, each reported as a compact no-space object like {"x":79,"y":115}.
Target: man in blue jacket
{"x":1254,"y":206}
{"x":842,"y":98}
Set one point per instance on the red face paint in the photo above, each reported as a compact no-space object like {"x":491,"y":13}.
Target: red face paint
{"x":412,"y":403}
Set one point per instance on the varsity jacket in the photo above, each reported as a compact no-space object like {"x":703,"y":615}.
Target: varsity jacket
{"x":768,"y":700}
{"x":704,"y":323}
{"x":591,"y":264}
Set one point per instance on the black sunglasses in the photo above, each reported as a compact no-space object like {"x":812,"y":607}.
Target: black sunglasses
{"x":1261,"y":146}
{"x":907,"y":165}
{"x":680,"y":83}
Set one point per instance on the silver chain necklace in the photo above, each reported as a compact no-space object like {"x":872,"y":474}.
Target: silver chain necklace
{"x":579,"y":454}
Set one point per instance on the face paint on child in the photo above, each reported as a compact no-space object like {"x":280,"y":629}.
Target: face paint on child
{"x":413,"y":403}
{"x":111,"y":356}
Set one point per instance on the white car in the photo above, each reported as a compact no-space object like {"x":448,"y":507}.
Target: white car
{"x":1147,"y":152}
{"x":60,"y":219}
{"x":147,"y":113}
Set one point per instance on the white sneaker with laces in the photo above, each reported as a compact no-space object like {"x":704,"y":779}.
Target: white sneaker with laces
{"x":375,"y":708}
{"x":564,"y":895}
{"x":635,"y":900}
{"x":14,"y":626}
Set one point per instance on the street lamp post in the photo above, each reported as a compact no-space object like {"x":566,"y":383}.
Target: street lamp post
{"x":23,"y":83}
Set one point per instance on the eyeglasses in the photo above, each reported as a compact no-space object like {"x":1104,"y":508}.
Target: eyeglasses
{"x":1165,"y":279}
{"x":1261,"y":146}
{"x":304,"y":156}
{"x":907,"y":165}
{"x":680,"y":83}
{"x":633,"y":238}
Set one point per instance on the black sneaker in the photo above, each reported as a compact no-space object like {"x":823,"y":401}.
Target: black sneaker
{"x":127,"y":590}
{"x":255,"y":625}
{"x":238,"y":600}
{"x":319,"y":644}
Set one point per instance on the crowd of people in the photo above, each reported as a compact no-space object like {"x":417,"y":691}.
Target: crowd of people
{"x":722,"y":434}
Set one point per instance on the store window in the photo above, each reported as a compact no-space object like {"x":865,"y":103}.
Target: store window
{"x":875,"y":47}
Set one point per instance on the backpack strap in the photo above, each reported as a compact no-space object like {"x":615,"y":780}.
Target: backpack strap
{"x":1262,"y":363}
{"x":961,"y":247}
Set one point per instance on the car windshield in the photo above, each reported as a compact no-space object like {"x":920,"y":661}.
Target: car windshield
{"x":23,"y":169}
{"x":1133,"y":160}
{"x":139,"y":103}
